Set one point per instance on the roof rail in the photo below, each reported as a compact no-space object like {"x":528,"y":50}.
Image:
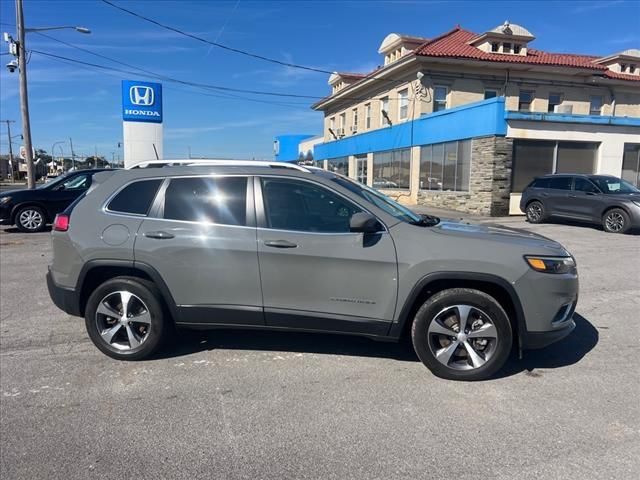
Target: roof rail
{"x":205,"y":163}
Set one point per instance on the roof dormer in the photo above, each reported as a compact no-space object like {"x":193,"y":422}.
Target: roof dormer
{"x":395,"y":46}
{"x":338,"y":81}
{"x":627,"y":62}
{"x":508,"y":39}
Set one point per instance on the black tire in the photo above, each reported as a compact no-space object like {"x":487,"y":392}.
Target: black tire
{"x":483,"y":309}
{"x":535,"y":212}
{"x":616,"y":220}
{"x":148,"y":299}
{"x":31,"y":219}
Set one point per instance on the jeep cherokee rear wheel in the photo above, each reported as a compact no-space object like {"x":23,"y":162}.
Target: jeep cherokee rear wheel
{"x":462,"y":334}
{"x":125,"y":319}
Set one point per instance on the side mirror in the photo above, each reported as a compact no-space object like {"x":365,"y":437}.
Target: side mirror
{"x":364,"y":222}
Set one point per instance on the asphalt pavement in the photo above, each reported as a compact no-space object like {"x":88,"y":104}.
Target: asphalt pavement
{"x":259,"y":405}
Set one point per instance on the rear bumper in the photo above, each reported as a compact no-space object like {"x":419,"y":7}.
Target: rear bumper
{"x":66,"y":299}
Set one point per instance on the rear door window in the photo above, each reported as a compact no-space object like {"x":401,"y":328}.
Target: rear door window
{"x":560,"y":183}
{"x":221,"y":200}
{"x":135,"y":198}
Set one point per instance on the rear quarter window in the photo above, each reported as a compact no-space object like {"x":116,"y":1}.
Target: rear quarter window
{"x":540,"y":183}
{"x":135,"y":198}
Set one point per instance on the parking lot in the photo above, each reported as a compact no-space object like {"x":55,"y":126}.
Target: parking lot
{"x":239,"y":404}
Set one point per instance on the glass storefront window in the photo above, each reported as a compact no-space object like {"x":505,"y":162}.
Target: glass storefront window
{"x":534,"y":158}
{"x":631,"y":163}
{"x":391,"y":169}
{"x":338,"y":165}
{"x":446,"y":166}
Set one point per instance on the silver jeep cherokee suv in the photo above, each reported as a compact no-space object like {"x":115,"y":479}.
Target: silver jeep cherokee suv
{"x":270,"y":246}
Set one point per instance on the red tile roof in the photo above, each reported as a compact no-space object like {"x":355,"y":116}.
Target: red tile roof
{"x":455,"y":44}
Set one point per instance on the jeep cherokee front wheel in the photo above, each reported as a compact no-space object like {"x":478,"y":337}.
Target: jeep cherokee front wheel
{"x":125,"y":319}
{"x":462,"y":334}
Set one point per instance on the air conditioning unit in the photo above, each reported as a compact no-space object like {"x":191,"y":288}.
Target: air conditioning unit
{"x":354,"y":129}
{"x":563,"y":109}
{"x":340,"y":132}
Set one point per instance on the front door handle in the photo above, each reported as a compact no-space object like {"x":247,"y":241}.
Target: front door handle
{"x":160,"y":235}
{"x":280,"y":244}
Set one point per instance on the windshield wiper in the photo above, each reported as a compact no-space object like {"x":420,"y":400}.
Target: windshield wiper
{"x":426,"y":221}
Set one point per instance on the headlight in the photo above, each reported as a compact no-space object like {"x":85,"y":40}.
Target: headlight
{"x":4,"y":200}
{"x":552,"y":264}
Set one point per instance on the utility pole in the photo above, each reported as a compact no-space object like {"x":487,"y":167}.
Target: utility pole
{"x":73,"y":155}
{"x":24,"y":100}
{"x":95,"y":157}
{"x":9,"y":122}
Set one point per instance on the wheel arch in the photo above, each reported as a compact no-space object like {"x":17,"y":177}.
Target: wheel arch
{"x":96,"y":272}
{"x":497,"y":287}
{"x":608,"y":208}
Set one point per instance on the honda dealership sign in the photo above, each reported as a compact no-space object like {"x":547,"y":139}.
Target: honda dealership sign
{"x":142,"y":121}
{"x":141,"y":101}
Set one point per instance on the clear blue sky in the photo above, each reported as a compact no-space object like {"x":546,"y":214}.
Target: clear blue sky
{"x":84,"y":103}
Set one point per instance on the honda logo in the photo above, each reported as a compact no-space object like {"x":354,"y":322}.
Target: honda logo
{"x":140,"y":95}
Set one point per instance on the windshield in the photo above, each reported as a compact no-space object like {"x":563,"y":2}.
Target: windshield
{"x":614,"y":185}
{"x":54,"y":181}
{"x":373,"y":196}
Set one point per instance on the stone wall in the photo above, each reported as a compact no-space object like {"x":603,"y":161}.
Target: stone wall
{"x":490,"y":184}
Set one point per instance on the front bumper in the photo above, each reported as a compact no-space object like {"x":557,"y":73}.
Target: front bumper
{"x":65,"y":299}
{"x":5,"y":215}
{"x":548,"y":304}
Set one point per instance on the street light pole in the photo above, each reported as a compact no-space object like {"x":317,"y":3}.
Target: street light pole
{"x":53,"y":154}
{"x":24,"y":99}
{"x":73,"y":155}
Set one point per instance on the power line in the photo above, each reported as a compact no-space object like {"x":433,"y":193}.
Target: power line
{"x":159,"y":75}
{"x":370,"y":76}
{"x":216,"y":44}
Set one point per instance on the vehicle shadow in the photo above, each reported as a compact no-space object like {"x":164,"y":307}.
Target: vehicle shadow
{"x":566,"y":352}
{"x":189,"y":341}
{"x":592,"y":226}
{"x":16,"y":230}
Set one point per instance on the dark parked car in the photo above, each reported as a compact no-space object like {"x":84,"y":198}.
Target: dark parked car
{"x":31,"y":210}
{"x":602,"y":199}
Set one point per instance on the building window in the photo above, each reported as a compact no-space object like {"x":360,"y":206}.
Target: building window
{"x":367,"y":116}
{"x":525,"y":100}
{"x":332,"y":123}
{"x":338,"y":165}
{"x":354,"y":127}
{"x":439,"y":98}
{"x":534,"y":158}
{"x":403,"y":111}
{"x":631,"y":163}
{"x":495,"y":47}
{"x":446,"y":166}
{"x":342,"y":120}
{"x":384,"y":111}
{"x":506,"y":48}
{"x":632,"y":68}
{"x":623,"y":67}
{"x":595,"y":107}
{"x":516,"y":48}
{"x":391,"y":169}
{"x":490,"y":94}
{"x":554,"y":100}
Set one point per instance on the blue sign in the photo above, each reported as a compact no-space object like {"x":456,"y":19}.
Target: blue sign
{"x":141,"y":101}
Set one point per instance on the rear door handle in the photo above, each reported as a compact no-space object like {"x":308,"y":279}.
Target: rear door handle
{"x":160,"y":235}
{"x":280,"y":244}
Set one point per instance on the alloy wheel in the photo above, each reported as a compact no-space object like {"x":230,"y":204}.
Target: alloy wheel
{"x":31,"y":219}
{"x":534,"y":212}
{"x":123,"y":320}
{"x":462,"y":337}
{"x":614,"y":221}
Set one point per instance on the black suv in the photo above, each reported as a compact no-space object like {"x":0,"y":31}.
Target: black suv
{"x":31,"y":210}
{"x":602,"y":199}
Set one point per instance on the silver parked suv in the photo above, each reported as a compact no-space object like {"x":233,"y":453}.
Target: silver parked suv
{"x":270,"y":246}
